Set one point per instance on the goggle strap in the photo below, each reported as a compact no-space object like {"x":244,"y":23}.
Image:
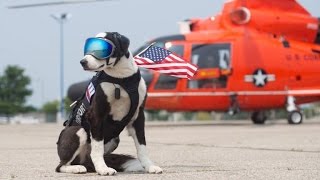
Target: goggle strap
{"x":117,"y":60}
{"x":117,"y":44}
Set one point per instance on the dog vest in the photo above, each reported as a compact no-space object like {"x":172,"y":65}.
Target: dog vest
{"x":129,"y":84}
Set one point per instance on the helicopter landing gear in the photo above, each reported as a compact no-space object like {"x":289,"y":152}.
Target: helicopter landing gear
{"x":258,"y":117}
{"x":234,"y":106}
{"x":294,"y":116}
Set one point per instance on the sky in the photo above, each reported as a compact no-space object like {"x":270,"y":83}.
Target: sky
{"x":30,"y":37}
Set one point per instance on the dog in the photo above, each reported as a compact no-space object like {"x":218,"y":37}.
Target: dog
{"x":89,"y":149}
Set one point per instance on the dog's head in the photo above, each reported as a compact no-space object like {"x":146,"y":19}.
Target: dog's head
{"x":104,"y":51}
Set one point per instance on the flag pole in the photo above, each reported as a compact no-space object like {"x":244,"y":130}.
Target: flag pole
{"x":145,"y":49}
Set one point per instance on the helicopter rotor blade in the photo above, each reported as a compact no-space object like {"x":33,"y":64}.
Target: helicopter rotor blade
{"x":54,"y":3}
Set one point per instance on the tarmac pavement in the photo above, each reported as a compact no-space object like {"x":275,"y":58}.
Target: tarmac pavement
{"x":193,"y":150}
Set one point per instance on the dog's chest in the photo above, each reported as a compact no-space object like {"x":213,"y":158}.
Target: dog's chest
{"x":119,"y":107}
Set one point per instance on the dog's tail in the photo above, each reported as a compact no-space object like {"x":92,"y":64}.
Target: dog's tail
{"x":123,"y":163}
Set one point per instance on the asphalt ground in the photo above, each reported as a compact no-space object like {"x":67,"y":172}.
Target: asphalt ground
{"x":193,"y":150}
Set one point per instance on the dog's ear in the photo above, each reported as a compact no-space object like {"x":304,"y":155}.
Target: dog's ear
{"x":124,"y":42}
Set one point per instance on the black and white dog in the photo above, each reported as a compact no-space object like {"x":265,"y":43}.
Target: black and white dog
{"x":82,"y":150}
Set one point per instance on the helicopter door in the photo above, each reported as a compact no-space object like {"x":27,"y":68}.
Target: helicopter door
{"x":213,"y":61}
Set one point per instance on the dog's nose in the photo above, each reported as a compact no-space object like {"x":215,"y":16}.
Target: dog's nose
{"x":83,"y":62}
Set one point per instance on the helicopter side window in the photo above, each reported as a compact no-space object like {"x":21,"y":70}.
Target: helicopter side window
{"x":212,"y":83}
{"x":166,"y":82}
{"x":211,"y":55}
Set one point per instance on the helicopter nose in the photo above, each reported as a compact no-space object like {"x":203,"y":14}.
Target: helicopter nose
{"x":83,"y":63}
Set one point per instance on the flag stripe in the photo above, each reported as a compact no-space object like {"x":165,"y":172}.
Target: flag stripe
{"x":173,"y":65}
{"x":87,"y":96}
{"x":176,"y":58}
{"x":169,"y":59}
{"x":175,"y":72}
{"x":145,"y":60}
{"x":138,"y":61}
{"x":169,"y":69}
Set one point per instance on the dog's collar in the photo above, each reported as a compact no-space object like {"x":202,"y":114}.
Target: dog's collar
{"x":127,"y":83}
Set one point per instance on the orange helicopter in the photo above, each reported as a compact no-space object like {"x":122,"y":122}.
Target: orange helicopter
{"x":254,"y":56}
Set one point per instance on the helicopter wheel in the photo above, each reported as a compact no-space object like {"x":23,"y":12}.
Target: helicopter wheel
{"x":258,"y":117}
{"x":295,"y":117}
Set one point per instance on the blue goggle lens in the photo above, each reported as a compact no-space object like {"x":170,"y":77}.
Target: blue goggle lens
{"x":99,"y":48}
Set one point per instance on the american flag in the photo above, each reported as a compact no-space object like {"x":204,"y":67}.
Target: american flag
{"x":90,"y":91}
{"x":166,"y":62}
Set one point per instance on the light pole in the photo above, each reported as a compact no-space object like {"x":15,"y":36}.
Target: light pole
{"x":61,"y":19}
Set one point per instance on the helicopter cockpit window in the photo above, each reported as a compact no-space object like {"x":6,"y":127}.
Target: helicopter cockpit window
{"x":211,"y":55}
{"x":159,"y":44}
{"x":212,"y":58}
{"x":176,"y":49}
{"x":166,"y":82}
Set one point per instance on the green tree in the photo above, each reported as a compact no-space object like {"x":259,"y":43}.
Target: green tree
{"x":67,"y":103}
{"x":13,"y":91}
{"x":52,"y":107}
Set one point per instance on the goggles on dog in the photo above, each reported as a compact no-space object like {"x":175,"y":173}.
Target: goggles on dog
{"x":99,"y":48}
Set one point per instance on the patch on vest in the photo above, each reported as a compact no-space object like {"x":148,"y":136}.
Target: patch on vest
{"x":90,"y":91}
{"x":80,"y":113}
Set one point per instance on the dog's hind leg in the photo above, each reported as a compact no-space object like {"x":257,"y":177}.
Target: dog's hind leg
{"x":110,"y":146}
{"x":72,"y":145}
{"x":136,"y":130}
{"x":123,"y":163}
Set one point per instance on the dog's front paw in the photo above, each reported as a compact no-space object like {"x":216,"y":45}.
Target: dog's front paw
{"x":106,"y":171}
{"x":75,"y":169}
{"x":78,"y":169}
{"x":155,"y":170}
